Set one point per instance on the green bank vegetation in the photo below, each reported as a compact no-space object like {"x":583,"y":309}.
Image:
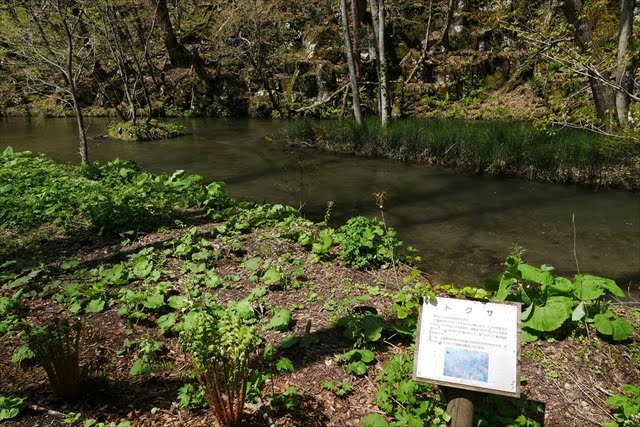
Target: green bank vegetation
{"x":252,"y":299}
{"x":145,"y":131}
{"x":496,"y":148}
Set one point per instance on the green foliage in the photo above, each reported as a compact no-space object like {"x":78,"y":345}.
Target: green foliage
{"x":364,"y":242}
{"x":502,"y":148}
{"x":145,"y":131}
{"x":113,"y":198}
{"x":285,"y":401}
{"x":341,"y":389}
{"x":357,"y":360}
{"x":220,"y":347}
{"x":405,"y":401}
{"x":280,"y":321}
{"x":191,"y":395}
{"x":148,"y":352}
{"x":9,"y":407}
{"x":363,"y":329}
{"x":551,"y":302}
{"x":627,"y":407}
{"x":56,"y":348}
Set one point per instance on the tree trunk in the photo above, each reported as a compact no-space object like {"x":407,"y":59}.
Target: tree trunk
{"x":624,"y":62}
{"x":384,"y":78}
{"x":603,"y":93}
{"x":445,"y":31}
{"x":355,"y":23}
{"x":179,"y":55}
{"x":373,"y":5}
{"x":357,"y":110}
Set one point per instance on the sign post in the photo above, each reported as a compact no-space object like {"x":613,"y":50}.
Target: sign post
{"x":469,"y":345}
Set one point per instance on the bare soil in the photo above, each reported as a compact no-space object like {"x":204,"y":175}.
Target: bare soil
{"x":570,"y":377}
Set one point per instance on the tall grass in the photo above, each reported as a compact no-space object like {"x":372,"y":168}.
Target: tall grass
{"x":500,"y":148}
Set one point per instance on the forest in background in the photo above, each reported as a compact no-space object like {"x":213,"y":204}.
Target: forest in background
{"x":568,"y":63}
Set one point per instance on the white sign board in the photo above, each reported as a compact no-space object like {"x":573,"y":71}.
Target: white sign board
{"x":469,"y":344}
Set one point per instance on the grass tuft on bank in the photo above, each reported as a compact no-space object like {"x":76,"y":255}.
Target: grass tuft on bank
{"x":495,"y":148}
{"x":145,"y":131}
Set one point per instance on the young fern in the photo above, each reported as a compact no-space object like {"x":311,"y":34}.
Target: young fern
{"x":57,"y":350}
{"x":220,"y":349}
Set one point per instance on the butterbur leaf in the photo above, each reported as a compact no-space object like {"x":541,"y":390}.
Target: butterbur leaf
{"x":280,"y":321}
{"x":589,"y":288}
{"x":617,"y":327}
{"x":272,"y":276}
{"x":366,"y":355}
{"x":154,"y":301}
{"x":357,"y":368}
{"x":253,"y":264}
{"x":95,"y":306}
{"x":289,"y":342}
{"x":374,"y":420}
{"x":373,"y":325}
{"x":504,"y":288}
{"x":550,"y":316}
{"x":244,"y":310}
{"x":527,"y":312}
{"x":543,"y":277}
{"x":166,"y":321}
{"x":578,"y":312}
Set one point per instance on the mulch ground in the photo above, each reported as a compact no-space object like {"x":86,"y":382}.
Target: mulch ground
{"x":569,"y":378}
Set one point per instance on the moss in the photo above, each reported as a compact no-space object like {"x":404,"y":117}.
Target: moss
{"x":143,"y":131}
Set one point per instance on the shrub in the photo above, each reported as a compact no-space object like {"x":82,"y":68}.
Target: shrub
{"x":364,"y":242}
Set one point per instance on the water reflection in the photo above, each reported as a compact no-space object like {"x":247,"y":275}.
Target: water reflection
{"x":463,"y":224}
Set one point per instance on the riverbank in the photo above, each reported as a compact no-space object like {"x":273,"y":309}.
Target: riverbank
{"x":494,"y":148}
{"x":132,"y":255}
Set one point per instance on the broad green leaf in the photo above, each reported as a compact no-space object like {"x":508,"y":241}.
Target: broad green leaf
{"x":140,"y":367}
{"x":178,"y":302}
{"x":244,"y":310}
{"x":578,"y":312}
{"x":373,"y":325}
{"x":527,"y":312}
{"x":272,"y":276}
{"x":143,"y":268}
{"x":280,"y":321}
{"x":374,"y":420}
{"x":366,"y":356}
{"x":252,"y":264}
{"x":284,"y":365}
{"x":543,"y":277}
{"x":357,"y":368}
{"x":154,"y":301}
{"x":504,"y":288}
{"x":589,"y":288}
{"x":560,"y":286}
{"x":617,"y":327}
{"x":165,"y":322}
{"x":528,"y":335}
{"x":289,"y":342}
{"x":550,"y":316}
{"x":95,"y":306}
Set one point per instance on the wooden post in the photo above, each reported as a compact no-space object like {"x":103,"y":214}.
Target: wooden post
{"x":460,"y":407}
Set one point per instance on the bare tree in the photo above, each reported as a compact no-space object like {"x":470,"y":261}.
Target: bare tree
{"x":51,"y":51}
{"x":603,"y":93}
{"x":624,"y":72}
{"x":357,"y":110}
{"x":378,"y":18}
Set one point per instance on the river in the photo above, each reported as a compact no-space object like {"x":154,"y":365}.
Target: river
{"x":464,"y":225}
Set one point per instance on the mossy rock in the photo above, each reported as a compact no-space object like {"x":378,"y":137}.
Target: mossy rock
{"x":143,"y":131}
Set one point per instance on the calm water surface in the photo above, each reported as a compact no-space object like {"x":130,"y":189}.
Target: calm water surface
{"x":464,"y":225}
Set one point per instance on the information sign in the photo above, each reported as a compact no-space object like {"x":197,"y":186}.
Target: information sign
{"x":469,"y":344}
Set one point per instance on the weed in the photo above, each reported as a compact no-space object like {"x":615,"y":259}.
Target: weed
{"x":627,"y":407}
{"x":9,"y":407}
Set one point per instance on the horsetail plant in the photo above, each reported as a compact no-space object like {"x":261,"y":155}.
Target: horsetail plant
{"x":57,"y":350}
{"x":220,"y":348}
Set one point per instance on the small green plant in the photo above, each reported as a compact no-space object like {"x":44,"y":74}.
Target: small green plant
{"x":148,"y":350}
{"x":406,"y":401}
{"x":627,"y":407}
{"x":365,"y":243}
{"x":9,"y":407}
{"x":220,"y":347}
{"x":56,"y":348}
{"x":341,"y":389}
{"x":191,"y":395}
{"x":285,"y":401}
{"x":551,"y":302}
{"x":363,"y":329}
{"x":357,"y":360}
